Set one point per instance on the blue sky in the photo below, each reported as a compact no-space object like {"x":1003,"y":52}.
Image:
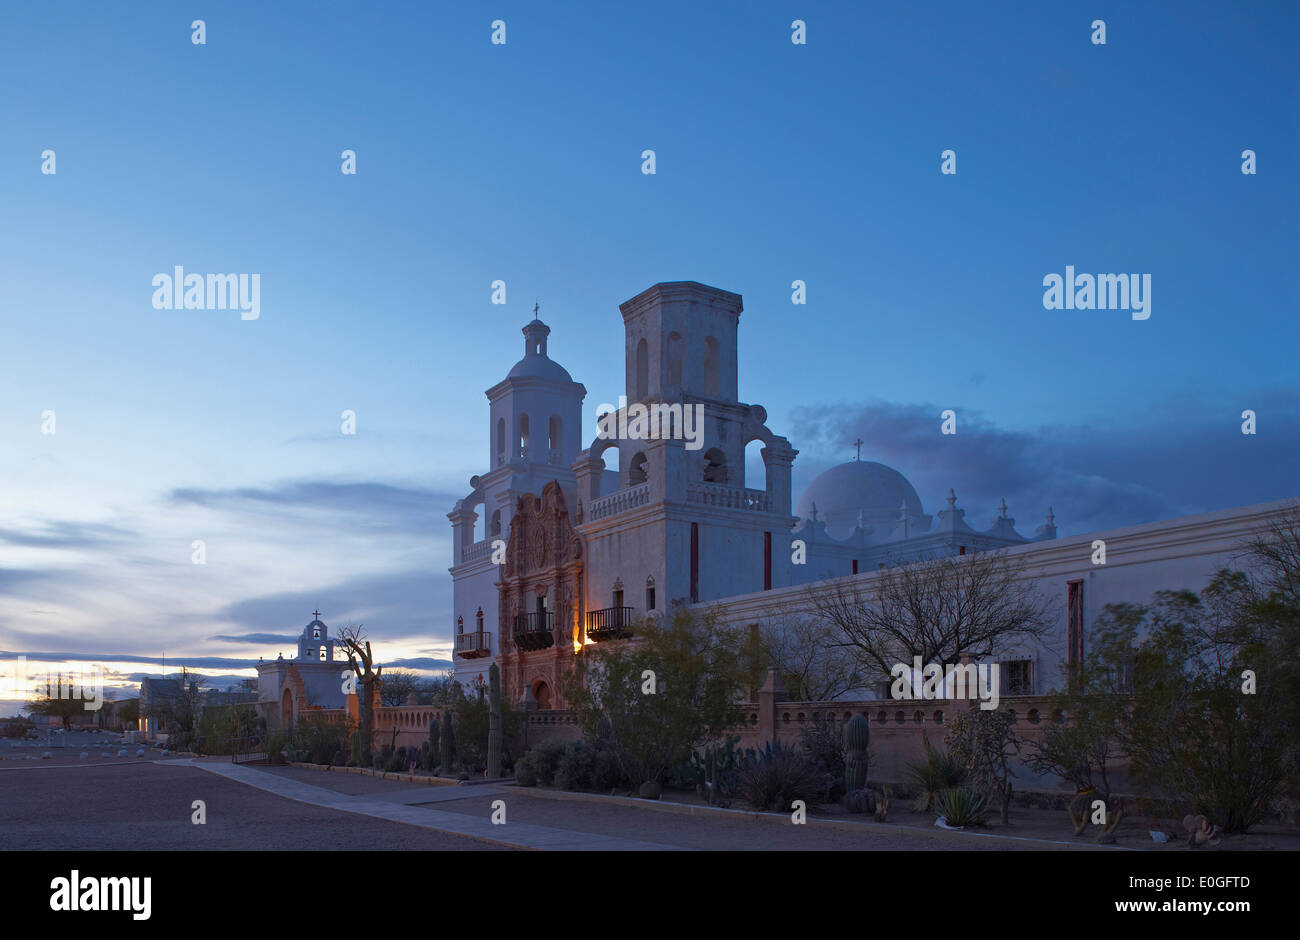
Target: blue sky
{"x":522,"y":162}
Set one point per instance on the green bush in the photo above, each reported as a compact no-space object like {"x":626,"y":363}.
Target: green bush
{"x":525,"y":775}
{"x":938,"y":770}
{"x":274,"y":746}
{"x":772,"y":779}
{"x":544,"y":760}
{"x":316,"y":740}
{"x":222,"y":727}
{"x":472,"y":733}
{"x":587,"y":766}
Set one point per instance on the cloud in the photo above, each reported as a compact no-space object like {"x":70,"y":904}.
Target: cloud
{"x":63,"y":534}
{"x":169,"y":662}
{"x":404,"y":603}
{"x":1170,"y":458}
{"x":257,"y":638}
{"x":372,"y":505}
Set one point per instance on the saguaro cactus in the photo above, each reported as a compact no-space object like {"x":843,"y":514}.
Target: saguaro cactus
{"x":446,"y":742}
{"x":856,"y":738}
{"x":494,"y":722}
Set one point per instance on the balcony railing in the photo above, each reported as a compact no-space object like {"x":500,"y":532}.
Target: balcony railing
{"x":621,"y":501}
{"x":473,"y":645}
{"x":609,"y":623}
{"x":475,"y":551}
{"x":728,"y":497}
{"x":535,"y":631}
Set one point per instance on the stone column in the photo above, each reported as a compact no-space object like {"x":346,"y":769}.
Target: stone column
{"x":771,"y":692}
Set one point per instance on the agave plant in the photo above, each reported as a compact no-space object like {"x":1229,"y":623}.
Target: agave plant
{"x":961,"y":806}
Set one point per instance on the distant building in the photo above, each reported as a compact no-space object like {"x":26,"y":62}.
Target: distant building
{"x":311,"y":679}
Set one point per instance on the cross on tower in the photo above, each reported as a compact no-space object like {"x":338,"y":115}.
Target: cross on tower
{"x":858,"y":445}
{"x":316,"y":614}
{"x":536,"y":306}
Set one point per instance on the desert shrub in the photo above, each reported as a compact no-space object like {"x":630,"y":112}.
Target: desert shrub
{"x":316,"y":739}
{"x":773,"y":778}
{"x":544,"y":760}
{"x":937,"y":770}
{"x":17,"y":727}
{"x":472,"y":732}
{"x":587,"y":766}
{"x":525,"y":775}
{"x":823,"y":745}
{"x":962,"y":806}
{"x":984,"y":742}
{"x":223,"y":726}
{"x":700,"y":671}
{"x":274,"y":745}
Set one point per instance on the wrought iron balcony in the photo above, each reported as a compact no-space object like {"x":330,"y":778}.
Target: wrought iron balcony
{"x":609,"y":623}
{"x":535,"y":631}
{"x":473,"y":645}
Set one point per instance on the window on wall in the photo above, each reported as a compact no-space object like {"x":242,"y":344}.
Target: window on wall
{"x":636,"y":471}
{"x":715,"y":466}
{"x":1074,"y":628}
{"x":523,"y":435}
{"x":460,"y":624}
{"x":695,"y":562}
{"x":767,"y":561}
{"x":676,"y":352}
{"x":322,"y":654}
{"x":618,"y":597}
{"x":501,"y":439}
{"x":711,"y":367}
{"x":554,"y":435}
{"x":479,"y":618}
{"x":642,"y":370}
{"x":649,"y":593}
{"x":496,"y":523}
{"x":1016,"y":677}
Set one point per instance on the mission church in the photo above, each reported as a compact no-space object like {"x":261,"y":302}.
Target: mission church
{"x":573,"y":553}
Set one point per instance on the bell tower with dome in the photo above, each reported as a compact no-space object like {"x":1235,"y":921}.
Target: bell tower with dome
{"x":683,"y":523}
{"x":534,"y":434}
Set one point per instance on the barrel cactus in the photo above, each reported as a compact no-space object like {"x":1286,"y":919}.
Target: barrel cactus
{"x":856,"y":738}
{"x":494,"y":722}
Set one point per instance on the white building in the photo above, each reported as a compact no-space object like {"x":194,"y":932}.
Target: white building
{"x":313,"y":678}
{"x":572,"y":552}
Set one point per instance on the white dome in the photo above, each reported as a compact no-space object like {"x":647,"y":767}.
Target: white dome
{"x":535,"y":364}
{"x":876,"y":492}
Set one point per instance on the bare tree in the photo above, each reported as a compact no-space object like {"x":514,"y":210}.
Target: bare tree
{"x":362,"y":661}
{"x":810,"y":655}
{"x":936,"y":609}
{"x":398,"y":685}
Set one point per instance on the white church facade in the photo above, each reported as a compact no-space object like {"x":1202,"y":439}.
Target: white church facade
{"x":574,"y":553}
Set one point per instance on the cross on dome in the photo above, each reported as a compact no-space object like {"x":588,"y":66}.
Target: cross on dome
{"x":858,"y":445}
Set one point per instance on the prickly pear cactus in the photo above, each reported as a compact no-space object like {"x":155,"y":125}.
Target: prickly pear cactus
{"x":856,"y":738}
{"x":494,"y":722}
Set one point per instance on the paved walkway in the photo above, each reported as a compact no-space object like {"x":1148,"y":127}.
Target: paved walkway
{"x":397,"y":806}
{"x":570,"y":821}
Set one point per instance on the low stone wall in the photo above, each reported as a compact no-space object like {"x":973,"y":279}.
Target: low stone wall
{"x":899,"y":729}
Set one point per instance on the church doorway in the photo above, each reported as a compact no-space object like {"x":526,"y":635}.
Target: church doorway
{"x":542,"y":692}
{"x":286,"y":711}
